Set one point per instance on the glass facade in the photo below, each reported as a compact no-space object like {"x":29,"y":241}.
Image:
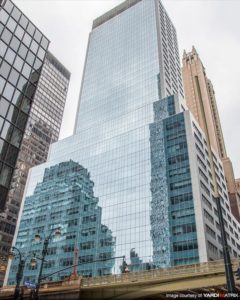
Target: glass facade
{"x":137,"y":143}
{"x":23,"y":49}
{"x":65,"y":198}
{"x":42,"y":129}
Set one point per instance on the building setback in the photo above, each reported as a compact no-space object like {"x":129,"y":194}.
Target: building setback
{"x":148,"y":158}
{"x":33,"y":87}
{"x":200,"y":98}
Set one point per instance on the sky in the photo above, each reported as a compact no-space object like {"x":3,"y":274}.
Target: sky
{"x":212,"y":26}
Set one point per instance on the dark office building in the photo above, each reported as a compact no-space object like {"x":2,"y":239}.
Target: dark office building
{"x":23,"y":49}
{"x":42,"y":129}
{"x":22,"y":52}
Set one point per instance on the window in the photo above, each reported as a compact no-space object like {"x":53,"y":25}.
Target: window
{"x":27,"y":39}
{"x":5,"y":176}
{"x":15,"y":44}
{"x":16,"y":13}
{"x":23,"y":51}
{"x":13,"y":77}
{"x":5,"y":69}
{"x":26,"y":105}
{"x":3,"y":16}
{"x":12,"y":114}
{"x":11,"y":156}
{"x":3,"y":48}
{"x":6,"y":36}
{"x":10,"y":56}
{"x":16,"y":137}
{"x":19,"y":32}
{"x":23,"y":21}
{"x":21,"y":120}
{"x":11,"y":24}
{"x":4,"y":105}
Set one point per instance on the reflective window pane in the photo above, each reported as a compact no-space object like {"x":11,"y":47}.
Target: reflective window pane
{"x":30,"y":28}
{"x":15,"y":44}
{"x":17,"y":98}
{"x":2,"y":83}
{"x":22,"y":120}
{"x":41,"y":53}
{"x":23,"y":51}
{"x":6,"y":131}
{"x":11,"y":155}
{"x":3,"y":149}
{"x":13,"y":77}
{"x":37,"y":64}
{"x":22,"y":83}
{"x":8,"y":6}
{"x":10,"y":56}
{"x":1,"y":123}
{"x":30,"y":58}
{"x":34,"y":47}
{"x":8,"y":91}
{"x":27,"y":39}
{"x":5,"y":69}
{"x":3,"y":16}
{"x":5,"y":176}
{"x":16,"y":137}
{"x":26,"y":105}
{"x":16,"y":13}
{"x":1,"y":28}
{"x":18,"y":63}
{"x":19,"y":32}
{"x":23,"y":21}
{"x":37,"y":36}
{"x":6,"y":36}
{"x":44,"y":43}
{"x":12,"y":114}
{"x":30,"y":91}
{"x":26,"y":70}
{"x":11,"y":24}
{"x":3,"y":48}
{"x":4,"y":105}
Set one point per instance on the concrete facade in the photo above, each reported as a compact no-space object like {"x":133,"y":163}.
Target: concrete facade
{"x":201,"y":101}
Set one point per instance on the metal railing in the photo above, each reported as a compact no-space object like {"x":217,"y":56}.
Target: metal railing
{"x":160,"y":274}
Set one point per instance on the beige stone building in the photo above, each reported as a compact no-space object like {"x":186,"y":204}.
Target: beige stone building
{"x":200,"y":99}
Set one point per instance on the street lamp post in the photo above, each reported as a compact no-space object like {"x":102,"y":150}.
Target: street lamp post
{"x":19,"y":274}
{"x":42,"y":259}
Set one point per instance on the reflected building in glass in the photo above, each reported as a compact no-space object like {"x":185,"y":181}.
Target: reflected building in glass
{"x":146,"y":154}
{"x":65,"y":198}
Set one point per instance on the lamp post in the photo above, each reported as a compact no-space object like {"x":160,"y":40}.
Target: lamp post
{"x":57,"y":233}
{"x":19,"y":274}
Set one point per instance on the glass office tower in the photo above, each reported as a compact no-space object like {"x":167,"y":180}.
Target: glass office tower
{"x":138,"y":143}
{"x":42,"y":129}
{"x":23,"y":48}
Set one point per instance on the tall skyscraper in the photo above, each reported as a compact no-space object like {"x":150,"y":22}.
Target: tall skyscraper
{"x":33,"y":93}
{"x":42,"y":129}
{"x":200,"y":98}
{"x":23,"y":48}
{"x":147,"y":156}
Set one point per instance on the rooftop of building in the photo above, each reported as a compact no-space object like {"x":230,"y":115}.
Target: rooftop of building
{"x":114,"y":12}
{"x":58,"y":65}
